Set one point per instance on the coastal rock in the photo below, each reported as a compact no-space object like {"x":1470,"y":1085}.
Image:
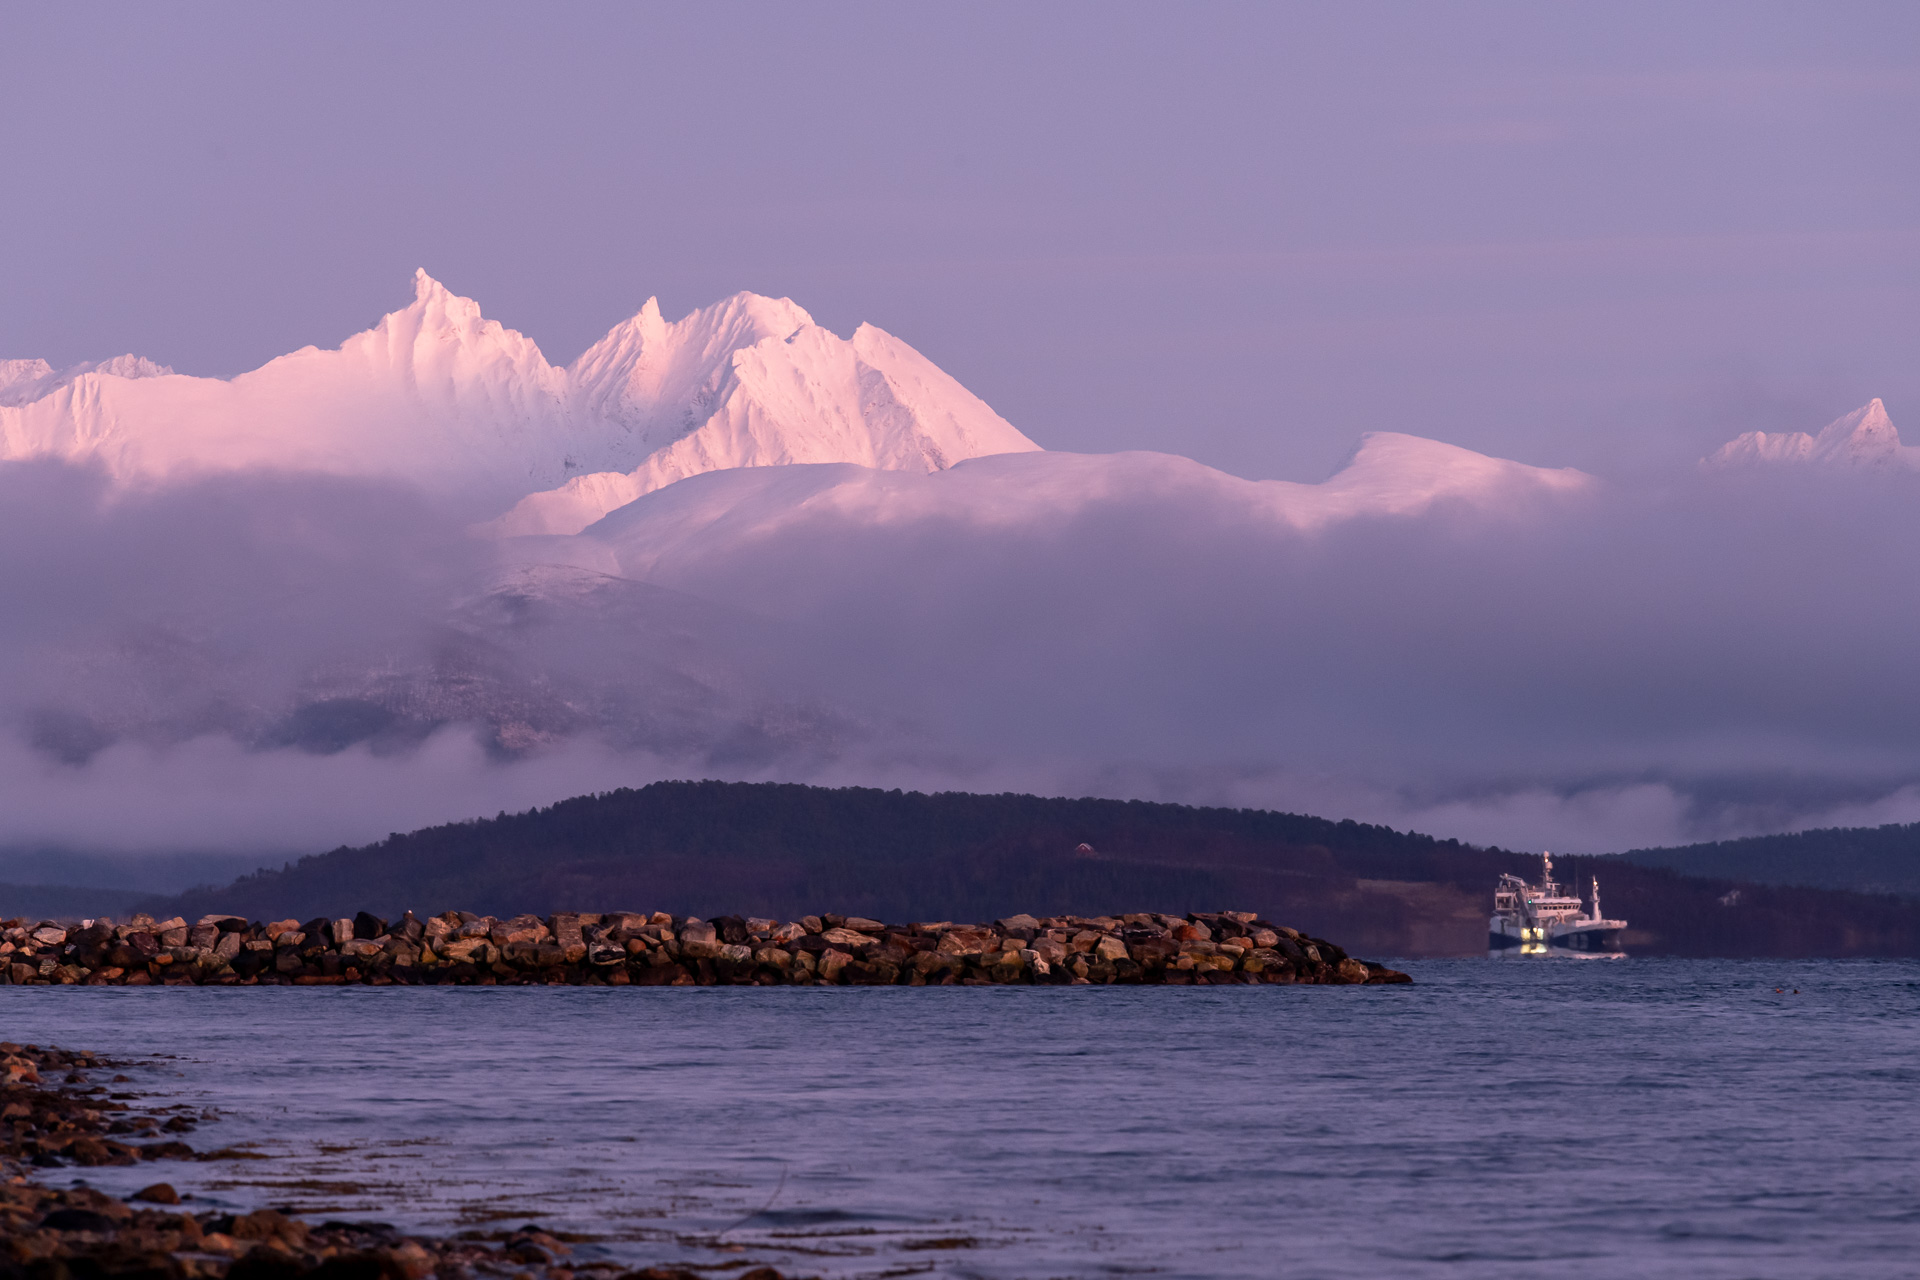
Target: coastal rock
{"x":968,"y":942}
{"x":631,"y":948}
{"x":831,"y":963}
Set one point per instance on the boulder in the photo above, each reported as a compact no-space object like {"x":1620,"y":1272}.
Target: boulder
{"x":568,"y":937}
{"x":1348,"y":973}
{"x":831,"y":962}
{"x":968,"y":942}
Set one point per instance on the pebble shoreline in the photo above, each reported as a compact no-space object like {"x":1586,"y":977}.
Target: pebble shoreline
{"x":83,"y":1234}
{"x":634,"y":949}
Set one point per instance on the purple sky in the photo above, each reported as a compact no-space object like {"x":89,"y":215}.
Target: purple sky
{"x":1609,"y":238}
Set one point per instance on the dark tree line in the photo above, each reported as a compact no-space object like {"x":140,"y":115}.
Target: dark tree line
{"x":1865,"y":859}
{"x":780,"y":850}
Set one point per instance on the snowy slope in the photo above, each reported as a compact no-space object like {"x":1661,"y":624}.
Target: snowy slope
{"x":1865,"y":438}
{"x":719,"y":389}
{"x":24,"y":381}
{"x":667,"y":535}
{"x":438,"y":394}
{"x":434,"y":392}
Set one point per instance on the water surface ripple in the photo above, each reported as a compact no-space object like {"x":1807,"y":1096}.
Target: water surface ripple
{"x":1499,"y":1119}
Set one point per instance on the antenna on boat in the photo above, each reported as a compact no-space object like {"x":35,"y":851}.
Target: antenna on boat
{"x":1596,"y":897}
{"x":1546,"y":876}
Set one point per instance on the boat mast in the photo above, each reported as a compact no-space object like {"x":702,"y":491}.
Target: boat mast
{"x":1596,"y":897}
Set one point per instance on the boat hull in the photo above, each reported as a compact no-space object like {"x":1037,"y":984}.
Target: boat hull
{"x":1604,"y":937}
{"x":1585,"y":937}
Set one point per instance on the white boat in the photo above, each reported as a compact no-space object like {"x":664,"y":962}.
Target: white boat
{"x":1537,"y":919}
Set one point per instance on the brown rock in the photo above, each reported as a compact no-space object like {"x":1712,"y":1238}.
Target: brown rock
{"x":89,"y":1151}
{"x":567,"y":936}
{"x":158,"y":1193}
{"x":1380,"y":974}
{"x":831,"y":962}
{"x":407,"y":1260}
{"x":968,"y":942}
{"x":268,"y":1224}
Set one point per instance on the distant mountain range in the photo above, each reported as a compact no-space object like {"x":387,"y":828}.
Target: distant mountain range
{"x":440,"y":396}
{"x":611,"y":625}
{"x":737,"y":544}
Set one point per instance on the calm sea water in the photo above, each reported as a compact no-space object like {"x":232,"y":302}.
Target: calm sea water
{"x":1501,"y":1118}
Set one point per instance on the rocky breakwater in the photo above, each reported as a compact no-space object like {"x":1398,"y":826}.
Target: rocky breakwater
{"x":52,"y":1114}
{"x":657,"y":949}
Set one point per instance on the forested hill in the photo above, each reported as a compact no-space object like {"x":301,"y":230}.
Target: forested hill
{"x":1865,"y":859}
{"x":707,"y":848}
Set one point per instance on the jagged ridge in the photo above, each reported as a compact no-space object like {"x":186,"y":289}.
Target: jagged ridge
{"x":440,"y":395}
{"x":1865,"y":438}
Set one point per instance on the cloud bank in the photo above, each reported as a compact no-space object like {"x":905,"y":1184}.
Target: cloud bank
{"x":285,"y":662}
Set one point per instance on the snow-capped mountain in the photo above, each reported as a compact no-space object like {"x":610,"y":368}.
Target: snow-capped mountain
{"x":753,"y":382}
{"x":440,"y":395}
{"x":24,"y":381}
{"x":1865,"y":438}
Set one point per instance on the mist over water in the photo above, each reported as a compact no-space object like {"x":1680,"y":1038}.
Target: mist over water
{"x":1497,"y":1119}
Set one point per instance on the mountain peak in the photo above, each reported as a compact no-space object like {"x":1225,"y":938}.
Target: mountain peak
{"x":1864,"y":438}
{"x":427,"y":290}
{"x":434,"y":301}
{"x":1866,"y":433}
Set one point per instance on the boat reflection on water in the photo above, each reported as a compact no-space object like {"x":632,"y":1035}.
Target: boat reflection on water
{"x":1542,"y":920}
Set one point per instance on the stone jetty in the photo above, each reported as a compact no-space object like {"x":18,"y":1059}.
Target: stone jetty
{"x":635,"y":949}
{"x":53,"y":1113}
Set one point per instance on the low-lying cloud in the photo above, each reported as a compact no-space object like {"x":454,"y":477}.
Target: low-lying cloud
{"x":286,"y":662}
